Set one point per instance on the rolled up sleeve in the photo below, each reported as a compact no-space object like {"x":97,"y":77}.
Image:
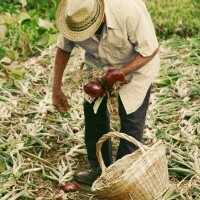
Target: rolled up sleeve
{"x":141,"y":32}
{"x":65,"y":44}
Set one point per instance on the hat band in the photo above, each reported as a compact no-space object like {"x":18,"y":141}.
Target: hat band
{"x":82,"y":28}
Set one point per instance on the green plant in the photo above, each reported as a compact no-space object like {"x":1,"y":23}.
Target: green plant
{"x":30,"y":27}
{"x":180,"y":17}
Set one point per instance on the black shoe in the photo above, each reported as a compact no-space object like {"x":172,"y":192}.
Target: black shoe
{"x":89,"y":176}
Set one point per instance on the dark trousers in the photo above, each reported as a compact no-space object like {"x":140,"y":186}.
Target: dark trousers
{"x":98,"y":124}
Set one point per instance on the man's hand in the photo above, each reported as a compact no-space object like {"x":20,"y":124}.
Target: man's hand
{"x":60,"y":101}
{"x":58,"y":97}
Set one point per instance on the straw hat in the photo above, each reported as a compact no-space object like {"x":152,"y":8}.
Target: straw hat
{"x":77,"y":20}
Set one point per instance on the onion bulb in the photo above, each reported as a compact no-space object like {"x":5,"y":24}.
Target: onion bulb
{"x":71,"y":187}
{"x":94,"y":88}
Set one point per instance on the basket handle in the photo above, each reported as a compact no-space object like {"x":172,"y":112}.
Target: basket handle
{"x":115,"y":134}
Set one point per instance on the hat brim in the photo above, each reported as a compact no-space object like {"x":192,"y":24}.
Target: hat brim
{"x":76,"y":35}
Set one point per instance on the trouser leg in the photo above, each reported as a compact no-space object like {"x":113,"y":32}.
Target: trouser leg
{"x":95,"y":126}
{"x":133,"y":125}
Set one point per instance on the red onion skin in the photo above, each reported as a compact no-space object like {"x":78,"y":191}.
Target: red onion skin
{"x":71,"y":187}
{"x":112,"y":76}
{"x":93,"y":88}
{"x":97,"y":88}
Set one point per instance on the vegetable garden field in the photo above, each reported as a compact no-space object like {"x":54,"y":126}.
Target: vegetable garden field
{"x":41,"y":148}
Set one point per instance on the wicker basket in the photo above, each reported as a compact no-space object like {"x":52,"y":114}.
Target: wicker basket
{"x":142,"y":175}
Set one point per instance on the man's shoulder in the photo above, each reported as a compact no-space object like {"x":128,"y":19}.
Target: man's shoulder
{"x":124,"y":7}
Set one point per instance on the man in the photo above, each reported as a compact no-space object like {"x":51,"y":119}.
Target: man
{"x":116,"y":34}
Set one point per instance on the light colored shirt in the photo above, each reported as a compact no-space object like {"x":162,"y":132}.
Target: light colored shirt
{"x":127,"y":31}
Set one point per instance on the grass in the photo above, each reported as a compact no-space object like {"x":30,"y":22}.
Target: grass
{"x":40,"y":148}
{"x":23,"y":22}
{"x":175,"y":17}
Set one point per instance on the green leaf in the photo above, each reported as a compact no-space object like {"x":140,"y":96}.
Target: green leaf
{"x":23,"y":17}
{"x":2,"y":166}
{"x":44,"y":23}
{"x":16,"y":73}
{"x":97,"y":104}
{"x":3,"y":31}
{"x":23,"y":2}
{"x":2,"y":51}
{"x":52,"y":39}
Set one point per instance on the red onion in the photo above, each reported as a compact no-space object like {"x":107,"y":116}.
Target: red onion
{"x":71,"y":187}
{"x":112,"y":76}
{"x":93,"y":88}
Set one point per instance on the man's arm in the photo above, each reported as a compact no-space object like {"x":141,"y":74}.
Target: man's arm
{"x":59,"y":99}
{"x":118,"y":74}
{"x":138,"y":62}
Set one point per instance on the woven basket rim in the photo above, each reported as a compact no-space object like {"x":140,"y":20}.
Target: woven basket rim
{"x":159,"y":142}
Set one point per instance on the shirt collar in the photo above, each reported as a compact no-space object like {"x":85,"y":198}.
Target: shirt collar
{"x":110,"y":22}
